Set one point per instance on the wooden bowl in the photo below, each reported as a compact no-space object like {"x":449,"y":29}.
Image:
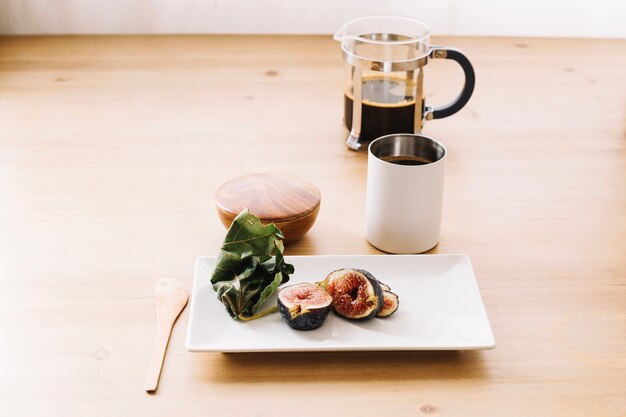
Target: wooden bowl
{"x":289,"y":202}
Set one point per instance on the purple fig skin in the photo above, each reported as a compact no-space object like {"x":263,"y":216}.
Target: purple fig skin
{"x":304,"y":306}
{"x":334,"y":284}
{"x":390,"y":304}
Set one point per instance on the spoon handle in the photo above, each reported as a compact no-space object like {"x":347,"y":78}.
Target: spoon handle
{"x":158,"y":353}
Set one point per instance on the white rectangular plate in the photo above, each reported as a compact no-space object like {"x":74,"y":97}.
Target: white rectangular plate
{"x":440,"y":309}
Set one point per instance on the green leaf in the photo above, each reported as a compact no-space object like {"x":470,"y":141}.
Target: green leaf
{"x":250,"y":266}
{"x":268,"y":291}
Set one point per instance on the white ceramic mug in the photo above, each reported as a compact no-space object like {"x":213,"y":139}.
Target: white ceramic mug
{"x":404,"y":193}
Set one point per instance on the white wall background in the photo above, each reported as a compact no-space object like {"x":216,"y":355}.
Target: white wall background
{"x":561,"y":18}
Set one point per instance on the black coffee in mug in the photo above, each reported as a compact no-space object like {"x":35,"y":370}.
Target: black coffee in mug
{"x":406,"y":160}
{"x":388,"y":106}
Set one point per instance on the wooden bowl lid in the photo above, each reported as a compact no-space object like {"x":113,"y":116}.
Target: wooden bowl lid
{"x":270,"y":197}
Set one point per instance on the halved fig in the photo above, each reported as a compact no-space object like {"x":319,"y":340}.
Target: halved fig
{"x":356,"y":293}
{"x":390,"y":304}
{"x":304,"y":306}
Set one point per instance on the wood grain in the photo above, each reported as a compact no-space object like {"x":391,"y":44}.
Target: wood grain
{"x":285,"y":200}
{"x":170,"y":297}
{"x":111,"y":149}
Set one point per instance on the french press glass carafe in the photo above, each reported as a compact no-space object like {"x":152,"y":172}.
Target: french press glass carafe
{"x":385,"y":58}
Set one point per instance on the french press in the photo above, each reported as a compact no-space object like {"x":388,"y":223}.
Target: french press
{"x":385,"y":58}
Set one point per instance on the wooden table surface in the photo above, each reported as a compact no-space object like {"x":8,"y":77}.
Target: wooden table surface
{"x":111,"y":149}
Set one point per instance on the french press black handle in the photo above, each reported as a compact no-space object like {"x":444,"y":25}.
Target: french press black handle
{"x":441,"y":52}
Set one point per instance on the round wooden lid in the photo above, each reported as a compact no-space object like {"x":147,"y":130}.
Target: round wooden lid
{"x":270,"y":197}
